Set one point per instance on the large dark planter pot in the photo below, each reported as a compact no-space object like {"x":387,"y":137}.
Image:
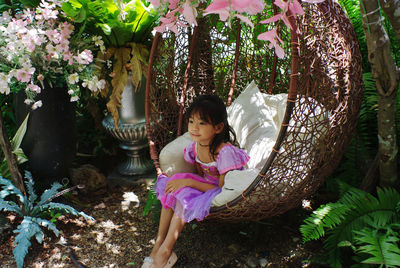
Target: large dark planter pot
{"x":50,"y":139}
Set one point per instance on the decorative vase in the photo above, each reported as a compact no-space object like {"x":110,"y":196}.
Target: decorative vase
{"x":50,"y":138}
{"x":131,"y":131}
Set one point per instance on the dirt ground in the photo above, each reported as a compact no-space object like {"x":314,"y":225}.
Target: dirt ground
{"x":122,"y":236}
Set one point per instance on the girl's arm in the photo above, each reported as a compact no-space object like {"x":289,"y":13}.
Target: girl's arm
{"x":175,"y":185}
{"x":221,"y":180}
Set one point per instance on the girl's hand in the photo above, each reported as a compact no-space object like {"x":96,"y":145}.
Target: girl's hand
{"x":175,"y":185}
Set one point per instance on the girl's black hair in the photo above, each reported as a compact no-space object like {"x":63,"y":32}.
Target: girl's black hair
{"x":212,"y":110}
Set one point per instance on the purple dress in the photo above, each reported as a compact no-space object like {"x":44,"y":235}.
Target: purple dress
{"x":189,"y":203}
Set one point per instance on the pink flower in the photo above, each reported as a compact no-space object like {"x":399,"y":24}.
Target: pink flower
{"x":220,"y":7}
{"x":23,"y":76}
{"x":63,"y":45}
{"x":169,"y":22}
{"x":85,"y":57}
{"x":54,"y":36}
{"x":49,"y":14}
{"x":173,"y":4}
{"x":250,"y":7}
{"x":189,"y":12}
{"x":155,"y":3}
{"x":34,"y":88}
{"x":244,"y":19}
{"x":67,"y":56}
{"x":65,"y":30}
{"x":273,"y":38}
{"x":292,"y":5}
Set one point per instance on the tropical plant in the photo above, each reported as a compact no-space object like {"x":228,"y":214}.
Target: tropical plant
{"x":354,"y":217}
{"x":126,"y":28}
{"x":42,"y":47}
{"x":33,"y":212}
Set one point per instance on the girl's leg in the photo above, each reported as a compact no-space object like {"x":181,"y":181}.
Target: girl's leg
{"x":165,"y":249}
{"x":165,"y":220}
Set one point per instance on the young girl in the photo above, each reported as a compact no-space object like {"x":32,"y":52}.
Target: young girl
{"x":186,"y":196}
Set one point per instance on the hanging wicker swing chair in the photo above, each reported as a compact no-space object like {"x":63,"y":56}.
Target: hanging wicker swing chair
{"x":321,"y":70}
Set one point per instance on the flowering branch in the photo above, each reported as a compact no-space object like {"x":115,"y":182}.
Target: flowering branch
{"x":41,"y":47}
{"x":188,"y":10}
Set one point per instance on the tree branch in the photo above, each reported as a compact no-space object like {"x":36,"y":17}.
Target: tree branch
{"x":392,"y":10}
{"x":383,"y":66}
{"x":10,"y":157}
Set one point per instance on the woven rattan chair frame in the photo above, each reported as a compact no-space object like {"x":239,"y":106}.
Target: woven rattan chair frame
{"x":321,"y":72}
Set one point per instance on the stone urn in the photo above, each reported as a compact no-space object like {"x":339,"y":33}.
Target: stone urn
{"x":131,"y":131}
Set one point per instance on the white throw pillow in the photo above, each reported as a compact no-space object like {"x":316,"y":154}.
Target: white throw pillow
{"x":253,"y":123}
{"x":236,"y":181}
{"x":171,"y":156}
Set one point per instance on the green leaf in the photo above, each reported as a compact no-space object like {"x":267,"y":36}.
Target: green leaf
{"x":19,"y":135}
{"x":65,"y":208}
{"x":9,"y":189}
{"x":49,"y":225}
{"x":10,"y":206}
{"x":69,"y":10}
{"x":81,"y":16}
{"x":380,"y":245}
{"x":26,"y":230}
{"x":29,"y":186}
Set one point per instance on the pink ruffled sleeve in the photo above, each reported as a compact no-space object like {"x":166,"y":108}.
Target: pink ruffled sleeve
{"x":189,"y":153}
{"x":231,"y":158}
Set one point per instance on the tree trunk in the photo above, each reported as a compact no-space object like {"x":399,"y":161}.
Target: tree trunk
{"x":392,"y":10}
{"x":386,"y":76}
{"x":10,"y":157}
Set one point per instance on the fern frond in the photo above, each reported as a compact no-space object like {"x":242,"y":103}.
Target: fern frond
{"x":325,"y":217}
{"x":27,"y":229}
{"x":382,"y":246}
{"x":47,"y":195}
{"x":10,"y":206}
{"x":363,"y":206}
{"x":9,"y":189}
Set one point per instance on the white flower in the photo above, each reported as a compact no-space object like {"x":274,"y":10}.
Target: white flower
{"x":71,"y":92}
{"x":73,"y":78}
{"x":52,"y":50}
{"x":85,"y":57}
{"x":28,"y":101}
{"x":4,"y":88}
{"x":74,"y":98}
{"x":95,"y":84}
{"x":5,"y":18}
{"x":37,"y":105}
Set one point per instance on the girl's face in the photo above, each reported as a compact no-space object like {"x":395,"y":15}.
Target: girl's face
{"x":202,"y":131}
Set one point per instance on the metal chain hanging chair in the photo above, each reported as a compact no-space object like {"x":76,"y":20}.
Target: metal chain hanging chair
{"x":322,"y":63}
